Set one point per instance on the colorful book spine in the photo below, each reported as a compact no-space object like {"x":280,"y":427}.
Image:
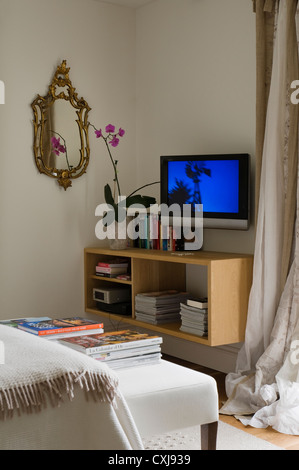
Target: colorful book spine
{"x":155,"y":236}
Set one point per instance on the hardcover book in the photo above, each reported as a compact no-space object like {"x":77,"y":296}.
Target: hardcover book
{"x":56,"y":326}
{"x":199,"y":303}
{"x":114,"y":263}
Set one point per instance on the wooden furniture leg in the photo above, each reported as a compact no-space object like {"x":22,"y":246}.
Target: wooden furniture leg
{"x":209,"y":436}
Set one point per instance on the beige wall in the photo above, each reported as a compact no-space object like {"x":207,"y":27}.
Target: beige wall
{"x":196,"y":88}
{"x":44,"y":229}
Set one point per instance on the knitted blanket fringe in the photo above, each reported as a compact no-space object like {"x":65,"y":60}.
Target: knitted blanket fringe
{"x":38,"y":372}
{"x":33,"y":397}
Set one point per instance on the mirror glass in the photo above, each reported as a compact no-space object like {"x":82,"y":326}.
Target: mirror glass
{"x":61,"y":145}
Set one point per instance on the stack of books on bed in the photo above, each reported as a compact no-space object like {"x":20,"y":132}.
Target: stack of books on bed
{"x":54,"y":329}
{"x":159,"y":307}
{"x":194,"y":316}
{"x":119,"y":349}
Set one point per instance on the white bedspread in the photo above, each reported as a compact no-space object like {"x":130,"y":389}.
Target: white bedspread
{"x":52,"y":397}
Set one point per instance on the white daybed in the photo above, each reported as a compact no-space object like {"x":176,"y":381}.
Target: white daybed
{"x":53,"y":397}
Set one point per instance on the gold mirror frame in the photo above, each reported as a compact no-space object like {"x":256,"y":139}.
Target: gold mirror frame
{"x":42,"y":107}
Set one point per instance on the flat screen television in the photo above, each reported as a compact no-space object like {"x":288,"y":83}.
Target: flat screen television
{"x":221,"y":183}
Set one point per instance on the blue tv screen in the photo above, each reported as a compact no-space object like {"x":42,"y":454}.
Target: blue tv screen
{"x":219,"y":182}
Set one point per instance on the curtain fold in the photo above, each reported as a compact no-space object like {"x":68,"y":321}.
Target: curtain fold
{"x":265,"y":15}
{"x":265,"y":376}
{"x":291,"y":144}
{"x":267,"y":5}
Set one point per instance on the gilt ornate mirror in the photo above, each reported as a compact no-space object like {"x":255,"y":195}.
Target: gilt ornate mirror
{"x":61,"y":144}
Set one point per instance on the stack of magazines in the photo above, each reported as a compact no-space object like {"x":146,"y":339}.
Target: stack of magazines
{"x":159,"y":307}
{"x":119,"y":349}
{"x":194,"y":316}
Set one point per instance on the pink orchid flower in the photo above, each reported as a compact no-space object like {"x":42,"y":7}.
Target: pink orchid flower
{"x":114,"y":141}
{"x":110,"y":128}
{"x":111,"y":139}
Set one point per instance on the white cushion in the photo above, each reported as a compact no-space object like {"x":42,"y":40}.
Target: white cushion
{"x":165,"y":396}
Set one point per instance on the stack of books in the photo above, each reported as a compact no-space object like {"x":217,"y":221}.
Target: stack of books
{"x":59,"y":328}
{"x":118,"y":349}
{"x":153,"y":235}
{"x":159,"y":307}
{"x":117,"y":267}
{"x":194,"y":317}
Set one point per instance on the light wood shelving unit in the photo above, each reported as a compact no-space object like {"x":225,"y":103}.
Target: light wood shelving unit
{"x":229,"y":278}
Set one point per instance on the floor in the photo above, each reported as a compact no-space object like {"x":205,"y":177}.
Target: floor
{"x":281,"y":440}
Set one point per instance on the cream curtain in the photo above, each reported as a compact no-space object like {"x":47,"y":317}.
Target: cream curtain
{"x":265,"y":21}
{"x":266,"y":382}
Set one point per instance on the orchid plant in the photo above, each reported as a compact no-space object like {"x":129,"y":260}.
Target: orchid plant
{"x":111,"y":138}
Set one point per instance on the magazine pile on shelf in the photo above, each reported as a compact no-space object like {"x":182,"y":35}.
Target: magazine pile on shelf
{"x":119,"y":349}
{"x":54,"y":329}
{"x":115,"y":268}
{"x":159,"y":307}
{"x":194,"y":316}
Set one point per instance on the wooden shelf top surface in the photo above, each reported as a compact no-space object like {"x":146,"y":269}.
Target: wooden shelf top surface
{"x":186,"y":257}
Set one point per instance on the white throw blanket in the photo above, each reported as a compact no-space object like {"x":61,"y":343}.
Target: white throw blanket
{"x":35,"y":369}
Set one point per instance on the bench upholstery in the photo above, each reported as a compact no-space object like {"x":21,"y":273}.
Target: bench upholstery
{"x":165,"y":397}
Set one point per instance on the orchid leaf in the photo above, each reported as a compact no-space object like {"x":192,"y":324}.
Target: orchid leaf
{"x":145,"y":201}
{"x":108,"y":195}
{"x":111,"y":215}
{"x":116,"y":213}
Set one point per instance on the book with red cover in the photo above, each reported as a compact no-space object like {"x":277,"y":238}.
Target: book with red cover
{"x":114,"y":263}
{"x":112,"y":270}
